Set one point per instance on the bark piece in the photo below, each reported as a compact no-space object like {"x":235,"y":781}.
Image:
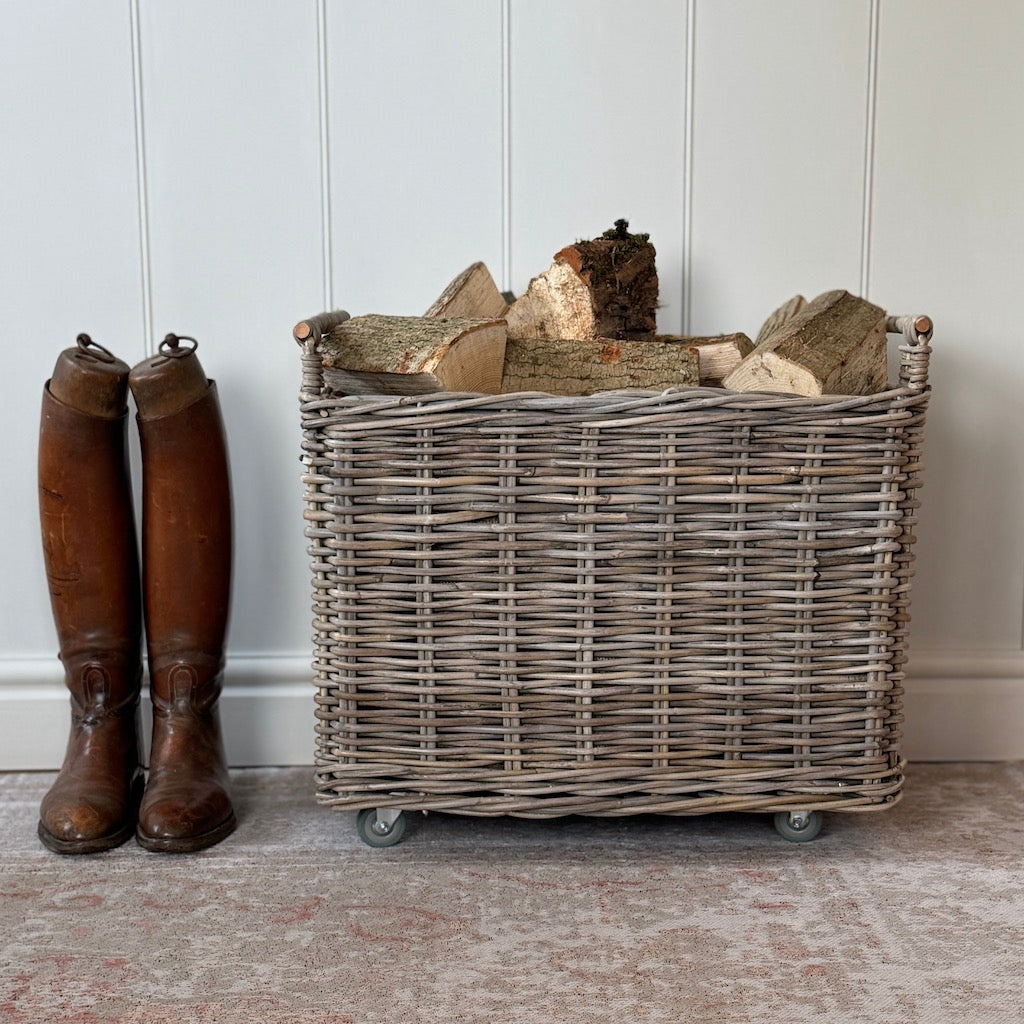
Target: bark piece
{"x":604,"y":288}
{"x":568,"y":366}
{"x":834,"y":345}
{"x":718,"y":356}
{"x":472,"y":293}
{"x":394,"y":355}
{"x":784,"y":313}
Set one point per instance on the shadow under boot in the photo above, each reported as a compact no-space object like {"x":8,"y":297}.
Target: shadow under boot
{"x":186,"y":559}
{"x":91,"y":559}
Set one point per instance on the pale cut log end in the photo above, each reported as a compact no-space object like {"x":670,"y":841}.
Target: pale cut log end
{"x":457,"y":353}
{"x":765,"y":371}
{"x":556,"y":305}
{"x":718,"y":355}
{"x":472,"y":293}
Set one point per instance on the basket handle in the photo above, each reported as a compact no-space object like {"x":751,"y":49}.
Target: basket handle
{"x":915,"y":352}
{"x":308,"y":333}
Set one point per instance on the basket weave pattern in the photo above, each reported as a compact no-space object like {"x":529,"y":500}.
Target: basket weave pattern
{"x":674,"y":602}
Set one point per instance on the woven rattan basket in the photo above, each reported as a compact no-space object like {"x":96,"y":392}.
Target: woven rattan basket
{"x":678,"y":602}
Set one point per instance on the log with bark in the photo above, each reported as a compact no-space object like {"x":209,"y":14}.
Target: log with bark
{"x":405,"y":355}
{"x":472,"y":293}
{"x":570,"y":366}
{"x":603,"y":288}
{"x":782,"y":315}
{"x":718,"y":356}
{"x":835,"y":345}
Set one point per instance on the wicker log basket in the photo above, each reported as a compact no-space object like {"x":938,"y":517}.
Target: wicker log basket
{"x":679,"y":602}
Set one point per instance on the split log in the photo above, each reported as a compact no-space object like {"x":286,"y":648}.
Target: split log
{"x":472,"y":293}
{"x":718,"y":356}
{"x":834,"y":345}
{"x":782,"y":315}
{"x":561,"y":366}
{"x":604,"y":288}
{"x":408,"y":355}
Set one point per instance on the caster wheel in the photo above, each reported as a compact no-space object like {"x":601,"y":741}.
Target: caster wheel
{"x":379,"y":832}
{"x":798,"y":826}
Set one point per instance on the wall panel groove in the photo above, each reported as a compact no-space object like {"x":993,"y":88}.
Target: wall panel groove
{"x":689,"y":49}
{"x":869,"y":149}
{"x":145,"y":272}
{"x":323,"y":95}
{"x":506,"y":145}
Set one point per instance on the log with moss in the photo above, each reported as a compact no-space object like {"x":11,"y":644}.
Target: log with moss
{"x":603,"y":288}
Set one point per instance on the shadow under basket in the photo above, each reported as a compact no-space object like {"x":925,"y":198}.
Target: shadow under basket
{"x":675,"y":602}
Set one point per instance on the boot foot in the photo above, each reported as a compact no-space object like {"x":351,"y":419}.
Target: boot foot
{"x":187,"y":843}
{"x":75,"y":840}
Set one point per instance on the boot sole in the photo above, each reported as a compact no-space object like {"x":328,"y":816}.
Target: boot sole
{"x":186,"y":844}
{"x":74,"y":847}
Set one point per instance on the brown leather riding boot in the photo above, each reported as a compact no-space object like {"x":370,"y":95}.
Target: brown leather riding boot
{"x":89,"y":549}
{"x":186,"y":559}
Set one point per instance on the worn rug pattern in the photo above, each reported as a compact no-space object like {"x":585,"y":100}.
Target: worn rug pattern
{"x":911,"y":915}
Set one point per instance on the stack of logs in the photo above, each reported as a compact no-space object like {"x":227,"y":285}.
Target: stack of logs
{"x":587,"y":324}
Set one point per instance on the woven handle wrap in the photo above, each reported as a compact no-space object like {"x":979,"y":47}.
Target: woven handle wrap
{"x":915,"y":352}
{"x":308,"y":333}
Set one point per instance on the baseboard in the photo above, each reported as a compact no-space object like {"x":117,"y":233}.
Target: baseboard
{"x":965,"y":706}
{"x":960,"y":706}
{"x":266,"y":712}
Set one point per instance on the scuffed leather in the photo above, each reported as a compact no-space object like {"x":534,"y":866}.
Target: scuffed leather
{"x":187,"y":551}
{"x":91,"y":560}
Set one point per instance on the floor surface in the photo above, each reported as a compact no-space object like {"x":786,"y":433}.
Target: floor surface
{"x":914,"y":914}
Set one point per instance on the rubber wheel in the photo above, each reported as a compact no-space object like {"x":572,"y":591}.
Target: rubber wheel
{"x":373,"y":833}
{"x":804,"y":834}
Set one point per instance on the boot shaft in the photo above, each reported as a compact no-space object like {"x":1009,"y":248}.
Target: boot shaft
{"x":88,"y":526}
{"x":186,"y":522}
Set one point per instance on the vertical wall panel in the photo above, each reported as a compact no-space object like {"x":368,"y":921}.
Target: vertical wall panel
{"x":948,"y":223}
{"x":778,"y":155}
{"x":232,"y":145}
{"x":597,"y":131}
{"x":69,"y":258}
{"x":416,"y":148}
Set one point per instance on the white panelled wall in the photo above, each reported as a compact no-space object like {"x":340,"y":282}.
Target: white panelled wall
{"x":222,"y":168}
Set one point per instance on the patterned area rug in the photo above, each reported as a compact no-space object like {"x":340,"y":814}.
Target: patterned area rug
{"x":915,"y":914}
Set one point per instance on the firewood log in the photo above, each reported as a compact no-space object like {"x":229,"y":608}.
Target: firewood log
{"x":604,"y":288}
{"x":718,"y":356}
{"x":782,"y":315}
{"x":569,"y":366}
{"x":389,"y":355}
{"x":472,"y":293}
{"x":834,"y":345}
